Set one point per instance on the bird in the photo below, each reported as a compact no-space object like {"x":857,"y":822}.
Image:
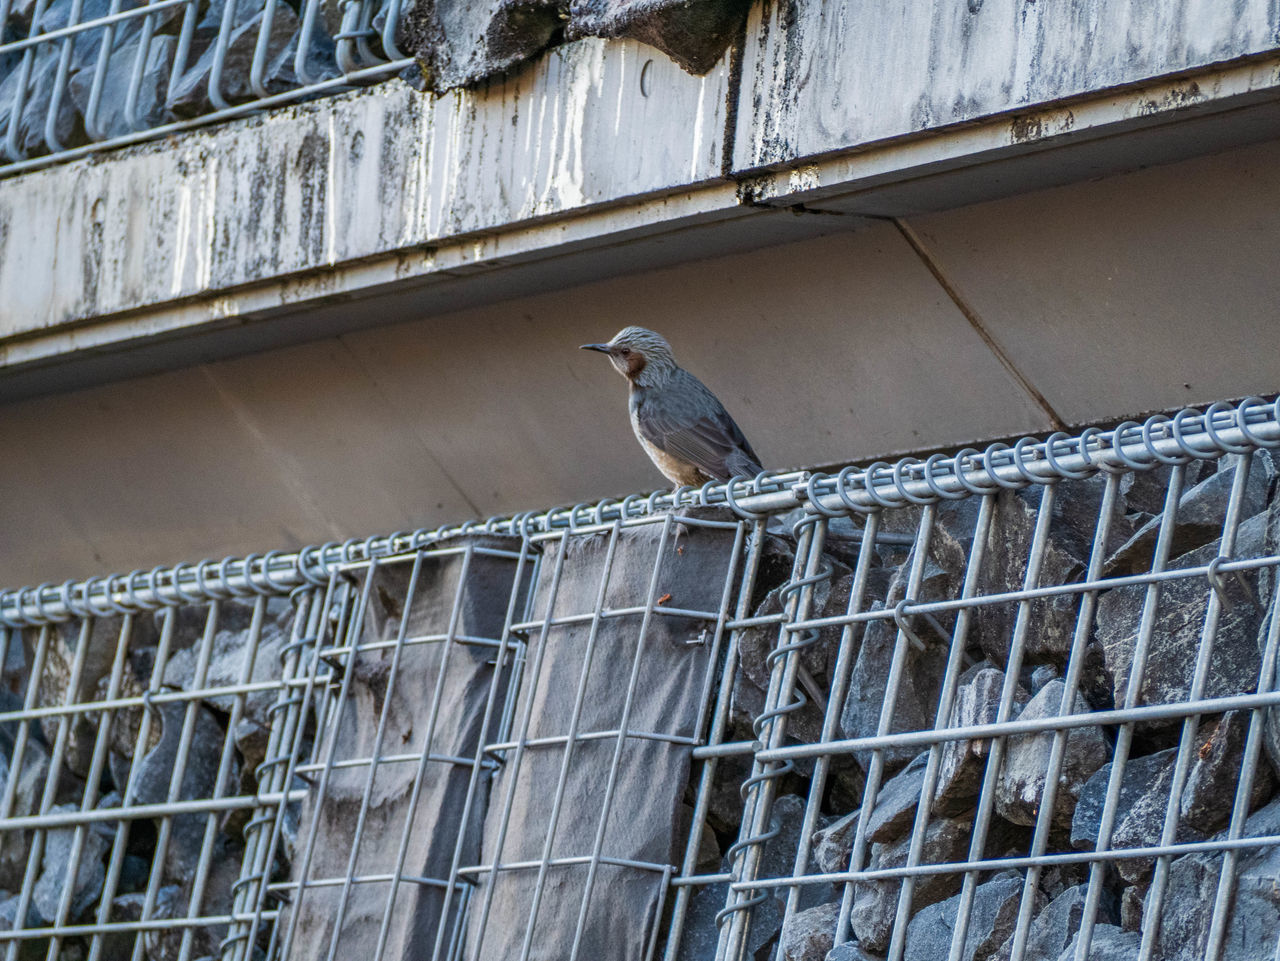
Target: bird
{"x":681,"y":425}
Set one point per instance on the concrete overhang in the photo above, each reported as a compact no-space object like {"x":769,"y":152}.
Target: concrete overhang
{"x":382,"y":205}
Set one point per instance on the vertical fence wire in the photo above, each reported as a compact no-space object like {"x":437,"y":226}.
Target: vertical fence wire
{"x":732,"y":723}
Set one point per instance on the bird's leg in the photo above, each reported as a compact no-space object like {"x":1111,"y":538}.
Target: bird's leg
{"x":682,"y":532}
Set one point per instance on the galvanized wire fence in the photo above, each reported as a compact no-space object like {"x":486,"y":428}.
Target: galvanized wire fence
{"x":1017,"y":703}
{"x":83,"y":75}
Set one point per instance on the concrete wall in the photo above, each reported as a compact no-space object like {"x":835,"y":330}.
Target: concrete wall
{"x":1130,"y":293}
{"x":851,"y":105}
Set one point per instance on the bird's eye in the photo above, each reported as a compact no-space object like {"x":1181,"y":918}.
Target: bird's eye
{"x":625,"y":351}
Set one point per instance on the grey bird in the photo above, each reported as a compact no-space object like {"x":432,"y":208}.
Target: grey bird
{"x":681,"y":425}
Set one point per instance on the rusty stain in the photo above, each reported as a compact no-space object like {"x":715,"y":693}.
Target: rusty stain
{"x":664,"y":598}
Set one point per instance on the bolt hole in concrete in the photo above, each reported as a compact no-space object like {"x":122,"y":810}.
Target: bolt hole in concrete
{"x":646,"y":78}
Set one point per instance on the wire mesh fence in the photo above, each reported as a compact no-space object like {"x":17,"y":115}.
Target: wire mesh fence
{"x":1012,"y":704}
{"x":83,"y":75}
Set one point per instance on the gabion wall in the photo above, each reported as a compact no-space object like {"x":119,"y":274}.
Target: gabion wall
{"x":1017,"y":704}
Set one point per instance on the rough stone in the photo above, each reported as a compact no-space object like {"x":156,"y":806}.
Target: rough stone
{"x":28,"y":950}
{"x":32,"y":776}
{"x":112,"y":119}
{"x":89,"y":876}
{"x":199,"y":779}
{"x":832,"y":845}
{"x":777,"y":860}
{"x":1144,"y":794}
{"x":830,"y":599}
{"x":896,"y":803}
{"x":961,"y":763}
{"x":1108,"y":943}
{"x":876,"y":902}
{"x":1201,"y":510}
{"x":1055,"y":925}
{"x":849,"y":951}
{"x":994,"y":914}
{"x":1131,"y":901}
{"x":1021,"y":786}
{"x":190,"y":95}
{"x":1051,"y":622}
{"x":917,"y":697}
{"x":1179,"y":620}
{"x":1210,"y":791}
{"x":1254,"y":925}
{"x":460,"y":43}
{"x":808,"y":935}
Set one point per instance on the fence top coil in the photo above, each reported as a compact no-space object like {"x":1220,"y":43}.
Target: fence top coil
{"x":1223,"y":428}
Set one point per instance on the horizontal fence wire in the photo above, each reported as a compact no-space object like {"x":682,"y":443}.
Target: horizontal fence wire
{"x":1017,"y":703}
{"x":78,"y":76}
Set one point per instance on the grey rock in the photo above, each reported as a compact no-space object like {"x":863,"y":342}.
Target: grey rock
{"x":1054,"y":926}
{"x":1254,"y":925}
{"x":1175,"y":639}
{"x":808,"y":935}
{"x":961,"y":763}
{"x":876,"y":902}
{"x":1201,"y":510}
{"x":1209,"y":794}
{"x":776,"y":860}
{"x":89,"y":875}
{"x":850,"y":951}
{"x":830,"y":598}
{"x":1108,"y":943}
{"x":190,"y":95}
{"x":33,"y":774}
{"x":1051,"y":623}
{"x":896,"y":803}
{"x":118,"y":946}
{"x":1131,"y":901}
{"x":1021,"y":786}
{"x":917,"y":696}
{"x":111,"y":119}
{"x":1041,"y":675}
{"x":199,"y":780}
{"x":832,"y":845}
{"x":231,"y":655}
{"x":28,"y":950}
{"x":1144,"y":794}
{"x":995,"y":911}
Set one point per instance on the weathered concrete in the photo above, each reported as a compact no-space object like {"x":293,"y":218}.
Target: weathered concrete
{"x":829,"y":76}
{"x":347,"y":178}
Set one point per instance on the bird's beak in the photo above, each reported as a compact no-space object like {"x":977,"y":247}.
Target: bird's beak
{"x":603,"y":348}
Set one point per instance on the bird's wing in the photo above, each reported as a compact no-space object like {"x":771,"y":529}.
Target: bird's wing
{"x":691,"y":424}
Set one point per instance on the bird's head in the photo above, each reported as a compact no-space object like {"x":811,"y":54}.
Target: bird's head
{"x":637,"y":354}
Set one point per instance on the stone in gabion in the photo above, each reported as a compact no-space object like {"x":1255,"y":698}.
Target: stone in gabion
{"x":112,"y":119}
{"x":961,"y":763}
{"x":1108,"y":943}
{"x":1055,"y":925}
{"x":991,"y":921}
{"x":896,"y":803}
{"x":876,"y":902}
{"x":1051,"y":623}
{"x":808,"y":935}
{"x":1201,"y":511}
{"x":90,"y":871}
{"x":1254,"y":924}
{"x":1175,"y":640}
{"x":917,"y":696}
{"x":831,"y":845}
{"x":1021,"y":786}
{"x":850,"y":951}
{"x":31,"y":781}
{"x":1144,"y":794}
{"x":1210,"y":791}
{"x":28,"y":950}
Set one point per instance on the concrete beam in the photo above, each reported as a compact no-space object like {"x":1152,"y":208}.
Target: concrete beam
{"x":382,"y":206}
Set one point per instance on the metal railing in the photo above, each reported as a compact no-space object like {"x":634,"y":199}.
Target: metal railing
{"x":1005,"y":703}
{"x":83,"y":75}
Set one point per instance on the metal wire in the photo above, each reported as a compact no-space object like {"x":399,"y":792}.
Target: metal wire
{"x":473,"y":738}
{"x":77,"y":76}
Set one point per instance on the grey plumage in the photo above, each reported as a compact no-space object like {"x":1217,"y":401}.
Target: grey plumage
{"x":683,"y":428}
